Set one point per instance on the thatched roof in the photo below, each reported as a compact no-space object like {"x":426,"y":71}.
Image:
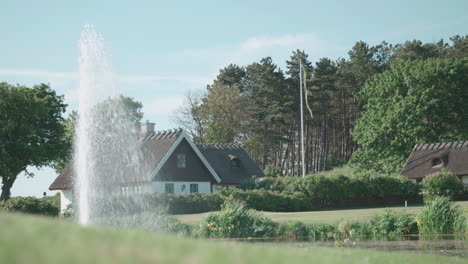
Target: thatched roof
{"x":427,"y":159}
{"x":155,"y":146}
{"x":221,"y":157}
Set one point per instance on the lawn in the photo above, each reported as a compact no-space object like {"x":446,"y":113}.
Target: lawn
{"x":322,"y":217}
{"x":41,"y":240}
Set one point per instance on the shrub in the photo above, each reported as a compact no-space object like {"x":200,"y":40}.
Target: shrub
{"x":49,"y":205}
{"x":236,"y":221}
{"x":264,"y":200}
{"x":295,"y":229}
{"x":271,"y":171}
{"x":192,"y":203}
{"x":442,"y":184}
{"x":392,"y":223}
{"x":438,"y":217}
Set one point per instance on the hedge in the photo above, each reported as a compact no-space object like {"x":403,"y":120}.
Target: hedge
{"x":338,"y":190}
{"x":49,"y":205}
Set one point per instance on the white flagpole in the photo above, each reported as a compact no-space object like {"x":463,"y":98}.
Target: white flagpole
{"x":302,"y":121}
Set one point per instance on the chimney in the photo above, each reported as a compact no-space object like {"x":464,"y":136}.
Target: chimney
{"x":146,"y":128}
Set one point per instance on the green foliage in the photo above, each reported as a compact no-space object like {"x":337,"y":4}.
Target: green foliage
{"x":236,"y":220}
{"x":51,"y":241}
{"x":273,"y":201}
{"x":413,"y":102}
{"x":322,"y":190}
{"x":271,"y":171}
{"x":438,"y":217}
{"x":392,"y":223}
{"x":188,"y":203}
{"x":31,"y":130}
{"x":49,"y":205}
{"x":69,"y":136}
{"x":444,"y":183}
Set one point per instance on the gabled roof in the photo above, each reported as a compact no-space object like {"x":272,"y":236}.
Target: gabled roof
{"x":427,"y":159}
{"x":220,"y":157}
{"x":160,"y":162}
{"x":157,"y":148}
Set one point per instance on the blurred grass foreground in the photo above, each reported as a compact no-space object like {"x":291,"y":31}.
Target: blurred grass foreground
{"x":41,"y":240}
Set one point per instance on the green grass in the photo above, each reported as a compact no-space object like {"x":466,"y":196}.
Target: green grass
{"x":322,"y":217}
{"x":41,"y":240}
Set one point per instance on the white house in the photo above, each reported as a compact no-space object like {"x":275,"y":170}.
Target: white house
{"x":176,"y":165}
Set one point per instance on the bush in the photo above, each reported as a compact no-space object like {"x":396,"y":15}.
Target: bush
{"x":192,"y":203}
{"x":271,"y":171}
{"x":438,"y":217}
{"x":392,"y":223}
{"x":263,"y":200}
{"x":442,"y":184}
{"x":236,"y":221}
{"x":49,"y":205}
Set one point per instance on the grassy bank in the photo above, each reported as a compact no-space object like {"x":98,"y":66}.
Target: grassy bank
{"x":33,"y":239}
{"x":322,"y":217}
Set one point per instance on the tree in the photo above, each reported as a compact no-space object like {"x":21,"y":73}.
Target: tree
{"x":31,"y":130}
{"x":69,"y":136}
{"x":414,"y":102}
{"x":223,"y":110}
{"x":189,"y":116}
{"x":129,"y":109}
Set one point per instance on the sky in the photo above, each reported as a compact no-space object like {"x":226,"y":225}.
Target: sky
{"x":162,"y":49}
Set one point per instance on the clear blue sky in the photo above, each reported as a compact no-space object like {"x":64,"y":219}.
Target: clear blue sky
{"x":161,"y":49}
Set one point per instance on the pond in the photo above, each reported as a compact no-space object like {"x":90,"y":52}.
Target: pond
{"x":449,"y":245}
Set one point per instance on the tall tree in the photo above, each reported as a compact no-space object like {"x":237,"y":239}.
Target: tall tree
{"x":31,"y":130}
{"x":223,"y":110}
{"x":414,"y":102}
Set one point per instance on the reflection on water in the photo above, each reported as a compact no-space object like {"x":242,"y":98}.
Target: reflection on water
{"x":450,"y":245}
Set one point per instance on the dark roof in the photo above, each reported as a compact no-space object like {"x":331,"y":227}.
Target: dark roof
{"x":63,"y":181}
{"x":427,"y":159}
{"x":155,"y":146}
{"x":220,"y":157}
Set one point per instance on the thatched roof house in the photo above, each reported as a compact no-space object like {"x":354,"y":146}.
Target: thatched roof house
{"x":173,"y":163}
{"x":427,"y":159}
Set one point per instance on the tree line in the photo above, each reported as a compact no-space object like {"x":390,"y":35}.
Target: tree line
{"x":258,"y":106}
{"x":369,"y":109}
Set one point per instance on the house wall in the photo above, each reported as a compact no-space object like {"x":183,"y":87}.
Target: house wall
{"x":195,"y":170}
{"x":160,"y":187}
{"x":66,"y":198}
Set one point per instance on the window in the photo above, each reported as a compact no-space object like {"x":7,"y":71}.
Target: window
{"x":124,"y":190}
{"x":437,"y":163}
{"x":169,"y":188}
{"x":194,"y":188}
{"x":181,"y":160}
{"x":235,"y":163}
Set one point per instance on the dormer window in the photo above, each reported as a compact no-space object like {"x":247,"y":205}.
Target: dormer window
{"x":235,"y":162}
{"x":437,"y":163}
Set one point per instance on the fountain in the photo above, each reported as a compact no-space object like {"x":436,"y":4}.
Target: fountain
{"x":107,"y":153}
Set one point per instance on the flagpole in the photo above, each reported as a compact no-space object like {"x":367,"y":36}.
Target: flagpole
{"x":302,"y":120}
